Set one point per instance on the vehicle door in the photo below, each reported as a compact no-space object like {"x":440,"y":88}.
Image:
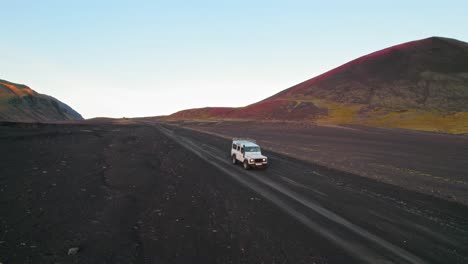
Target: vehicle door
{"x":234,"y":149}
{"x":237,"y":152}
{"x":241,"y":154}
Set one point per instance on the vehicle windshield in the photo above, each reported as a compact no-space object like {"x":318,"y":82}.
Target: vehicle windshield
{"x":252,"y":149}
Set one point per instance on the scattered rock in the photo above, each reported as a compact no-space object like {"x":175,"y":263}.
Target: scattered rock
{"x":73,"y":251}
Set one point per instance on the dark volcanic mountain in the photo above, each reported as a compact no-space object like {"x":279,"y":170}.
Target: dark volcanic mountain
{"x":418,"y":85}
{"x":20,"y":103}
{"x":426,"y":74}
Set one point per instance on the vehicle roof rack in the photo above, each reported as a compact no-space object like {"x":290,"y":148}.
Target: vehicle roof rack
{"x":244,"y":139}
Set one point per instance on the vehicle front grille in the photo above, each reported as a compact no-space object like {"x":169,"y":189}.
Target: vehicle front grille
{"x":258,"y":160}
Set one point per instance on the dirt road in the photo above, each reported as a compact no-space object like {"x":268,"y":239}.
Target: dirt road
{"x":150,"y":193}
{"x":430,"y":163}
{"x":373,"y":221}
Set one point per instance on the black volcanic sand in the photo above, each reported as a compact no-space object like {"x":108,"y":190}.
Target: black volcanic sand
{"x":128,"y":194}
{"x":430,"y":163}
{"x":132,"y":194}
{"x":432,"y":229}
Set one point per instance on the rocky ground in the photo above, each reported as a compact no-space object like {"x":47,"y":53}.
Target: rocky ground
{"x":129,"y":194}
{"x":152,"y":193}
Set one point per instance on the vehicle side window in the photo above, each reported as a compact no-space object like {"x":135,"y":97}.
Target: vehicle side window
{"x":238,"y":147}
{"x":242,"y":150}
{"x":234,"y":146}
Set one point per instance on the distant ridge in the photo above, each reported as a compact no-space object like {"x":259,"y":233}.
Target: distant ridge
{"x":419,"y":85}
{"x":19,"y":103}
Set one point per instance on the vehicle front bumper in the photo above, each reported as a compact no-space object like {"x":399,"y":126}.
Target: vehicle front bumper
{"x":258,"y":164}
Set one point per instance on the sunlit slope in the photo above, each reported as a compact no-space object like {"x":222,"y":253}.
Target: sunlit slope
{"x":20,"y":103}
{"x":419,"y":85}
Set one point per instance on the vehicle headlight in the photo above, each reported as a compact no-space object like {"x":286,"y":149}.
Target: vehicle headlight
{"x":264,"y":159}
{"x":251,"y":160}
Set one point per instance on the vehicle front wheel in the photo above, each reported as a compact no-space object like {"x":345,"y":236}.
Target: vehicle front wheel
{"x":246,"y":165}
{"x":234,"y":160}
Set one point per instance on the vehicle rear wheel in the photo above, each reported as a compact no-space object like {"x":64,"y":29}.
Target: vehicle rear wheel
{"x":234,"y":160}
{"x":246,"y":165}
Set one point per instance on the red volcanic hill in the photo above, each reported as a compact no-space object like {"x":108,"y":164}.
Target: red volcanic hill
{"x":19,"y":103}
{"x":418,"y":85}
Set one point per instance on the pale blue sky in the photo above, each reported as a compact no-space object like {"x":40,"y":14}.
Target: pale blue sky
{"x":146,"y":58}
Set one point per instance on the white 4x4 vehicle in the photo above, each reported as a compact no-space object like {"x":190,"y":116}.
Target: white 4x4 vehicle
{"x":245,"y":150}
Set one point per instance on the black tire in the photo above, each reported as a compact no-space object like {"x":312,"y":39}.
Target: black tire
{"x":246,"y":165}
{"x":234,"y":160}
